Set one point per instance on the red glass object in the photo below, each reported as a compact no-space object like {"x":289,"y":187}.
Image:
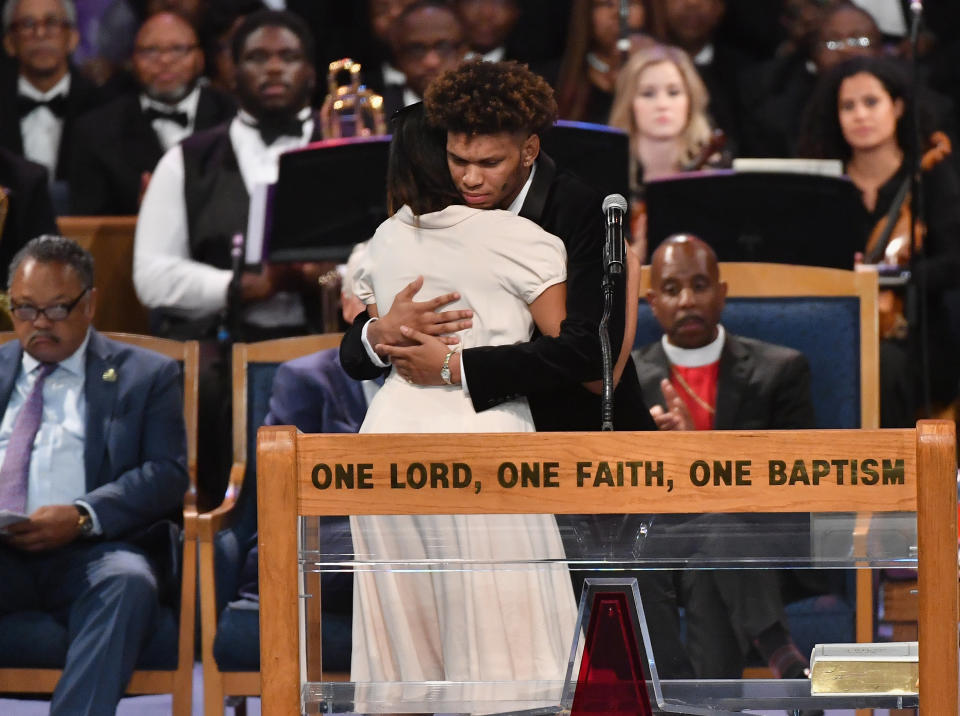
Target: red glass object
{"x":611,"y":679}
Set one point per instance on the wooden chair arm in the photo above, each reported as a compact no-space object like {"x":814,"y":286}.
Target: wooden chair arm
{"x":223,"y":516}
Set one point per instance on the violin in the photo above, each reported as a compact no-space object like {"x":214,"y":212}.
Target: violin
{"x":889,"y":243}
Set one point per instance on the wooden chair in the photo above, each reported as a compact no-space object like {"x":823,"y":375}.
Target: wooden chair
{"x":166,"y":662}
{"x":830,"y":315}
{"x":224,"y":531}
{"x":288,"y":461}
{"x":110,"y":240}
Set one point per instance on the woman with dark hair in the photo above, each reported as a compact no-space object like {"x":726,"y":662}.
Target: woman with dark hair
{"x":591,"y":60}
{"x":862,"y":115}
{"x":481,"y":624}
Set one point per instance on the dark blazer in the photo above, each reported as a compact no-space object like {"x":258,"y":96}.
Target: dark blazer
{"x":115,"y":144}
{"x":30,"y":211}
{"x":315,"y":394}
{"x":83,"y":97}
{"x":135,"y":448}
{"x":761,"y":386}
{"x":549,"y":371}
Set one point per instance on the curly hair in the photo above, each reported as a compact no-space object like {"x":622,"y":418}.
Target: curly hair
{"x":491,"y":97}
{"x":821,"y":136}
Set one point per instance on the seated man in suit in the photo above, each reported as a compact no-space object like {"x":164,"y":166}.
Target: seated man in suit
{"x":39,"y":107}
{"x":29,"y":209}
{"x":118,"y":145}
{"x":93,"y":453}
{"x":727,"y":383}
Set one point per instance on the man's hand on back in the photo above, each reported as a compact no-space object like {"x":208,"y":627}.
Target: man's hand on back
{"x":421,"y":316}
{"x":421,"y":361}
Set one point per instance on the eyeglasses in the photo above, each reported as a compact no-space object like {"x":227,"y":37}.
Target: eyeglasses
{"x":849,"y":43}
{"x":30,"y":25}
{"x":57,"y":312}
{"x":418,"y":51}
{"x":155,"y":52}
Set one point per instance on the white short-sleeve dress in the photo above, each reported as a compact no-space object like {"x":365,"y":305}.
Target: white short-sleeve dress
{"x":456,"y":624}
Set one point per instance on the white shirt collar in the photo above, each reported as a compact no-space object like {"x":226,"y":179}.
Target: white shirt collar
{"x":695,"y":357}
{"x":497,"y":54}
{"x":76,"y":363}
{"x":410,"y":97}
{"x":28,"y":90}
{"x":517,"y":203}
{"x":188,"y":104}
{"x":392,"y":76}
{"x":704,"y":57}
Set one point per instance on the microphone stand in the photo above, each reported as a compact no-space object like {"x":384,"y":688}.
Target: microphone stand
{"x":606,"y":394}
{"x":918,"y":292}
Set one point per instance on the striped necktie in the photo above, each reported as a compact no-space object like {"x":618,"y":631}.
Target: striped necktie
{"x":16,"y":462}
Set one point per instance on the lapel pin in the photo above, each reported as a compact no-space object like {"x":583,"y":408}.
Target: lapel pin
{"x":109,"y":375}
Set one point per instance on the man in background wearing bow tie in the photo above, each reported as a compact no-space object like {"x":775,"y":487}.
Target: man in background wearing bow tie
{"x":198,"y":199}
{"x":117,"y":146}
{"x":93,"y":452}
{"x":37,"y":113}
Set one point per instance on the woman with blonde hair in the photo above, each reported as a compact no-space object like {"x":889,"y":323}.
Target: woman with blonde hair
{"x":661,"y":103}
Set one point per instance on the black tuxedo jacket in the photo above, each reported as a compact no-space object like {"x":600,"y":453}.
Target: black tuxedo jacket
{"x":82,"y":98}
{"x":761,"y":386}
{"x":549,"y":371}
{"x":115,"y":144}
{"x":30,"y":211}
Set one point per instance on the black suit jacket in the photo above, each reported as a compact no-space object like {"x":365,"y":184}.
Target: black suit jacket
{"x":761,"y":386}
{"x":30,"y":211}
{"x":115,"y":144}
{"x":549,"y":371}
{"x":83,"y":97}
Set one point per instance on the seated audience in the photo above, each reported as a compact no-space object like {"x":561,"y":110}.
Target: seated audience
{"x":28,"y":211}
{"x":726,"y":383}
{"x":862,"y":115}
{"x":661,"y":103}
{"x":590,"y":63}
{"x":41,"y":104}
{"x":118,"y":145}
{"x":91,"y":485}
{"x":427,"y":39}
{"x":692,"y":25}
{"x":488,"y":24}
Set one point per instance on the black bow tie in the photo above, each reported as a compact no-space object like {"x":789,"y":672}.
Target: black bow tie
{"x":181,"y":118}
{"x":272,"y":131}
{"x":57,"y":105}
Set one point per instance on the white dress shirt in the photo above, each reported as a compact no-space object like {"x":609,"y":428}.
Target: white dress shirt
{"x":41,"y":129}
{"x":170,"y":133}
{"x":57,"y":475}
{"x":514,"y":208}
{"x":164,"y":274}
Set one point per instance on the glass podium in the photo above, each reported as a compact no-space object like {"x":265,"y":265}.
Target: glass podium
{"x":470,"y":553}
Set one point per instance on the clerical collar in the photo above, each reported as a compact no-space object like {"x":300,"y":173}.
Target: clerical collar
{"x":517,"y":202}
{"x":695,"y":357}
{"x":26,"y":89}
{"x":188,"y":104}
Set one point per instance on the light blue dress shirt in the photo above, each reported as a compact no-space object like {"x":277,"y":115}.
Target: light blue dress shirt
{"x":57,"y":475}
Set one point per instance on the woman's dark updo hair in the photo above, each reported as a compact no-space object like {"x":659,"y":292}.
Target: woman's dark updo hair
{"x":417,"y":173}
{"x":821,"y":136}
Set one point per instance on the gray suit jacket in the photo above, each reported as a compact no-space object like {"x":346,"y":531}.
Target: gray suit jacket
{"x":135,"y":448}
{"x":761,"y":386}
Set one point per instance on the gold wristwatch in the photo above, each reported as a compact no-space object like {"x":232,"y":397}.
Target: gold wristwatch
{"x":84,"y":521}
{"x":445,"y":371}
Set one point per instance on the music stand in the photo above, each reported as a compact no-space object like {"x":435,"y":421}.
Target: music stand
{"x":328,"y":196}
{"x":761,"y":216}
{"x":598,"y":154}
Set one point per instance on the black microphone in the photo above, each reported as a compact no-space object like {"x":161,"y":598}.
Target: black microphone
{"x":615,"y":208}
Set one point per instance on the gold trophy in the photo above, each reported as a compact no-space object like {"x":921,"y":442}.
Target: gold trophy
{"x":350,"y":110}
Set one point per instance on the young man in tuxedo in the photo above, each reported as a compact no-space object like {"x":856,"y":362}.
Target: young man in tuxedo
{"x":727,"y":382}
{"x":93,"y":451}
{"x":118,"y":145}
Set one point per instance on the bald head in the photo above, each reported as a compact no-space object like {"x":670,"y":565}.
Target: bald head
{"x":166,"y":57}
{"x":686,"y":293}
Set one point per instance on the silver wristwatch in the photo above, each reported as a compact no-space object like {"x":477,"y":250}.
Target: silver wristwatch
{"x":445,"y":370}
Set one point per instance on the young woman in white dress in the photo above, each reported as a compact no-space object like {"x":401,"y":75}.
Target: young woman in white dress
{"x":464,"y":619}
